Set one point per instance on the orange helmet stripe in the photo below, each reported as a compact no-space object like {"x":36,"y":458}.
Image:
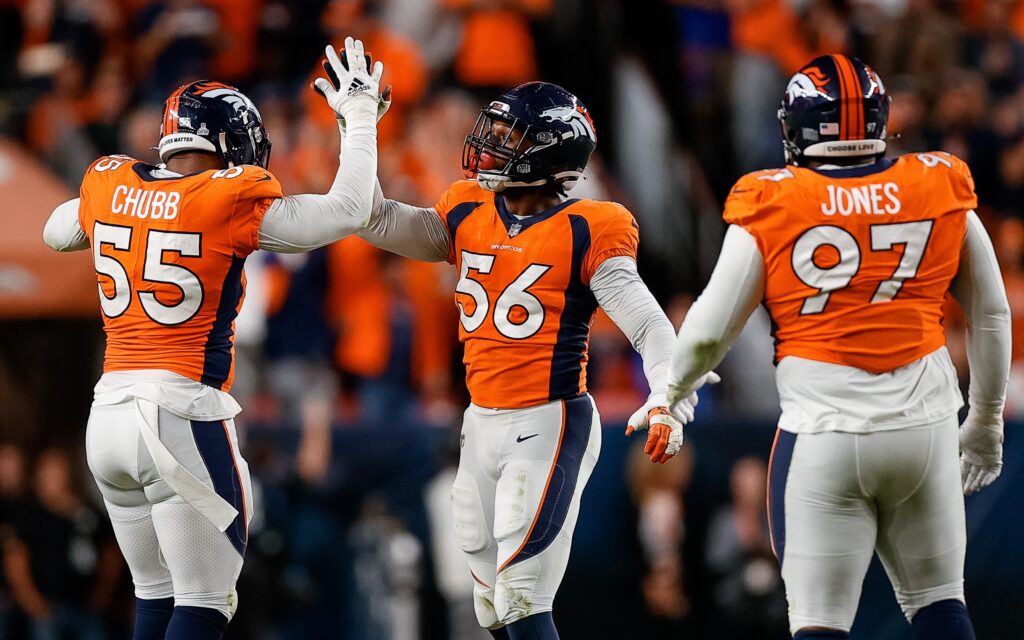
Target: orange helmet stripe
{"x":851,"y":102}
{"x":171,"y":107}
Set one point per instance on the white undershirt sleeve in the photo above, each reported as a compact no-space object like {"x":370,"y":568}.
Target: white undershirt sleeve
{"x":299,"y":223}
{"x":717,"y":317}
{"x":978,"y":288}
{"x":414,"y":232}
{"x":63,"y":231}
{"x":628,"y":302}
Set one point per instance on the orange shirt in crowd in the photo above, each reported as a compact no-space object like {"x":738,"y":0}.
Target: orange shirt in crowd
{"x":497,"y":49}
{"x":769,"y":27}
{"x":364,"y":285}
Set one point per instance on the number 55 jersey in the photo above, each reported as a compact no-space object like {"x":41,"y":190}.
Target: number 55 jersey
{"x":169,"y":253}
{"x":858,"y":262}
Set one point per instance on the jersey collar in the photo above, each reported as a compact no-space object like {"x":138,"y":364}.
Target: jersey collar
{"x":855,"y":172}
{"x":515,"y":226}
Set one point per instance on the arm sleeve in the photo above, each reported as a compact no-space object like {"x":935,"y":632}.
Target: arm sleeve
{"x":628,"y":302}
{"x":294,"y":224}
{"x":978,"y":288}
{"x":717,"y":317}
{"x":63,"y":231}
{"x":414,"y":232}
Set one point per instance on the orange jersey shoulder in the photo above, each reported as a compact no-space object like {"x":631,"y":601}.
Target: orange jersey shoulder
{"x":858,"y":261}
{"x":168,"y":253}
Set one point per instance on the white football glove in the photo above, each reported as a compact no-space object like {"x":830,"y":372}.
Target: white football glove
{"x":682,"y":400}
{"x":666,"y":433}
{"x":981,"y":453}
{"x":350,"y":89}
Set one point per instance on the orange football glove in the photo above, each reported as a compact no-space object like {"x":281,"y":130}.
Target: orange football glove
{"x":665,"y":432}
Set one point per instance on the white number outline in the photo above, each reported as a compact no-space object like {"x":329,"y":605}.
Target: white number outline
{"x":482,"y":263}
{"x":824,"y":280}
{"x":516,"y":294}
{"x":884,"y":237}
{"x":156,"y":247}
{"x":112,"y":235}
{"x":105,"y":265}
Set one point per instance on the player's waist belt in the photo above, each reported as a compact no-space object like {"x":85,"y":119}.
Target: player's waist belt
{"x":193,"y":490}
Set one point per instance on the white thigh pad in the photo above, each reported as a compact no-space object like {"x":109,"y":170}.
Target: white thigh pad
{"x":468,"y":514}
{"x":517,"y":496}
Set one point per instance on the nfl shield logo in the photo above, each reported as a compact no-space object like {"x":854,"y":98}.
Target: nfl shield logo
{"x":514,"y":230}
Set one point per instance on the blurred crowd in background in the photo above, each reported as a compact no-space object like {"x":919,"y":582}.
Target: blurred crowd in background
{"x":349,"y":370}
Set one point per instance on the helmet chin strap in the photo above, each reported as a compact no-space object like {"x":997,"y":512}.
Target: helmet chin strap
{"x":498,"y":182}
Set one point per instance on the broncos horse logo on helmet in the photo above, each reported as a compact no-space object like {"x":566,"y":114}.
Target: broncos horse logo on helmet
{"x":834,"y":107}
{"x":214,"y":117}
{"x":557,"y":139}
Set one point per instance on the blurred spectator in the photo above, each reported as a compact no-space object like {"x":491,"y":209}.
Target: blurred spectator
{"x":62,"y":563}
{"x":12,"y":491}
{"x":907,"y":116}
{"x":658,"y":491}
{"x":497,"y":49}
{"x":748,"y":587}
{"x":454,"y":579}
{"x":176,"y":44}
{"x":924,"y":42}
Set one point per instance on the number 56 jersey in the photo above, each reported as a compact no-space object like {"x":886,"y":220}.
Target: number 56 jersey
{"x":523,"y":293}
{"x":858,"y":261}
{"x":169,"y":253}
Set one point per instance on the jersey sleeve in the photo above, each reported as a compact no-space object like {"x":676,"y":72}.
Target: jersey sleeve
{"x":962,"y":184}
{"x":614,"y":233}
{"x":256,"y":189}
{"x":98,"y":184}
{"x":743,"y":204}
{"x":461,"y":192}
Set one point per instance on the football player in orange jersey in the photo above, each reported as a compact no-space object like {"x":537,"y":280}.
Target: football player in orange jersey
{"x":533,"y":268}
{"x":169,"y":243}
{"x":853,"y":254}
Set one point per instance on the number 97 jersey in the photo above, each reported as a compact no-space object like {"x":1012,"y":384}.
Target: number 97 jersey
{"x":168,"y":253}
{"x":858,"y":261}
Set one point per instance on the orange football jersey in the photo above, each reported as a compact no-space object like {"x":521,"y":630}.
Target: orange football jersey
{"x":168,"y":254}
{"x":523,"y":293}
{"x":858,"y":261}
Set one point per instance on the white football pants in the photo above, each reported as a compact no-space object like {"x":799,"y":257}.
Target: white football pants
{"x":170,"y":547}
{"x":834,"y":498}
{"x":516,"y":498}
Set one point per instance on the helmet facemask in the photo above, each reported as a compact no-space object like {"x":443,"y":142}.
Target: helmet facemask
{"x":502,"y":160}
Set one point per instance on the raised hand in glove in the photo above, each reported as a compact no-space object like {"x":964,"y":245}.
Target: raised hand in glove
{"x":352,"y":86}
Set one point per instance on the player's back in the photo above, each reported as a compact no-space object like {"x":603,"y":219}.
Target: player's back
{"x":523,"y":292}
{"x":858,"y":261}
{"x":169,"y":253}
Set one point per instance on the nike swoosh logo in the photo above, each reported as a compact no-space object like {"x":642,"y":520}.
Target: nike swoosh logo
{"x":264,"y":178}
{"x":522,"y":439}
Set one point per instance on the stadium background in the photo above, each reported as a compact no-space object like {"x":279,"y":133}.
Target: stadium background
{"x":349,"y":371}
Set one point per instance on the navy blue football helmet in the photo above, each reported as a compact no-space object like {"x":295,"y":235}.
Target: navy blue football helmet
{"x":557,"y":139}
{"x":214,"y":117}
{"x":835,"y":107}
